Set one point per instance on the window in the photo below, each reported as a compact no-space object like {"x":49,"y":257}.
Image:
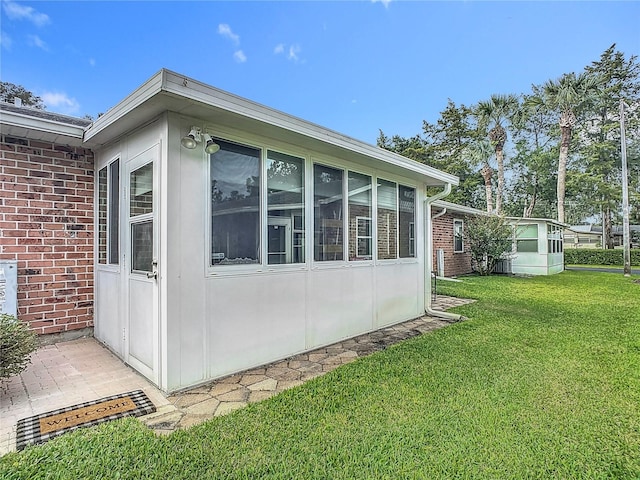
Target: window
{"x":554,"y":239}
{"x":407,"y":204}
{"x":102,"y":215}
{"x":109,"y":213}
{"x":235,"y":204}
{"x":285,"y":208}
{"x":387,"y":220}
{"x":327,"y":212}
{"x":527,"y":238}
{"x":458,"y":244}
{"x":360,"y":227}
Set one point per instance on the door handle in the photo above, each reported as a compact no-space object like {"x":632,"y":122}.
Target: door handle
{"x":154,"y":272}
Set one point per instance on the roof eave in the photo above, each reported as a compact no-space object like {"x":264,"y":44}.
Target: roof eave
{"x":42,"y":129}
{"x":171,"y":91}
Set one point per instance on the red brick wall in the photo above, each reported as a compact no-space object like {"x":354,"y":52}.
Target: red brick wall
{"x":46,"y":223}
{"x":454,"y":263}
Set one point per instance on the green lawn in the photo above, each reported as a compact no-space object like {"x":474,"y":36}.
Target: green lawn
{"x":541,"y":381}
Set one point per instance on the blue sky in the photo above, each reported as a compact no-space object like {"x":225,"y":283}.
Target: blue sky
{"x":355,"y":67}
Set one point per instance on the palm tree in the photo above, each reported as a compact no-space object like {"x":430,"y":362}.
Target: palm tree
{"x":492,"y":114}
{"x":479,"y":154}
{"x":566,"y":96}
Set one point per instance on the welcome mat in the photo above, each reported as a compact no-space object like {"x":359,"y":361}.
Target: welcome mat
{"x":43,"y":427}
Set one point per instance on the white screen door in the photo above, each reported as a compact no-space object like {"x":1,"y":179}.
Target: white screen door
{"x":141,"y":337}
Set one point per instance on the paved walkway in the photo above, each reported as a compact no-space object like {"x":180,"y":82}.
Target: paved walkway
{"x":82,"y":370}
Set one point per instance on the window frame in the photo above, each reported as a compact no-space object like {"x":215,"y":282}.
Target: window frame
{"x":305,"y":218}
{"x":456,"y":235}
{"x":262,"y":226}
{"x":519,"y":239}
{"x":113,"y":196}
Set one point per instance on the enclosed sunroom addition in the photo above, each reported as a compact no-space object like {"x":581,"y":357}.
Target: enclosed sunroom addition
{"x":231,"y":235}
{"x":538,"y":246}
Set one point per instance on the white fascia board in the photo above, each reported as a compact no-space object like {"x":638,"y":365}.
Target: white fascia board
{"x":454,"y":207}
{"x":519,"y":220}
{"x":42,"y":125}
{"x":147,"y":90}
{"x":197,"y":91}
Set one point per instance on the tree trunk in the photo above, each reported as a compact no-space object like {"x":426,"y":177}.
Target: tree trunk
{"x":500,"y":189}
{"x":606,"y":229}
{"x":562,"y":170}
{"x":567,"y":121}
{"x":528,"y":210}
{"x":487,"y":173}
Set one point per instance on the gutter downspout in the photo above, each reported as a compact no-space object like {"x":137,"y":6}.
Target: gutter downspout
{"x":429,"y":258}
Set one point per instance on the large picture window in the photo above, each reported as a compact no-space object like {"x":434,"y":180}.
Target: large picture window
{"x":387,"y":220}
{"x":360,"y":227}
{"x":328,"y":241}
{"x":235,"y":204}
{"x":407,"y":207}
{"x":285,"y":207}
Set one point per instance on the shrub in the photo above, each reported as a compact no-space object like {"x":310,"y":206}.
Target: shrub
{"x":490,"y":239}
{"x":589,"y":256}
{"x":17,"y":343}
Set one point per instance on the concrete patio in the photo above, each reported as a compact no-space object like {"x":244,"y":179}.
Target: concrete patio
{"x":82,"y":370}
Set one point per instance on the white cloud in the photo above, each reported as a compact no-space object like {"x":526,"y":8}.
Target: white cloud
{"x":384,"y":2}
{"x":36,"y":41}
{"x":294,"y":50}
{"x":16,"y":11}
{"x":92,"y":62}
{"x":239,"y":56}
{"x":60,"y":102}
{"x":225,"y":31}
{"x":5,"y":41}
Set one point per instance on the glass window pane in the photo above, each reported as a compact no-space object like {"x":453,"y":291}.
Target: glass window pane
{"x":527,"y":246}
{"x":142,"y":246}
{"x":387,"y":220}
{"x":328,"y":215}
{"x":457,"y":236}
{"x":285,"y":203}
{"x":141,"y":194}
{"x":407,"y":198}
{"x":235,"y":204}
{"x":527,"y":231}
{"x":360,"y":205}
{"x":114,"y":212}
{"x":102,"y":216}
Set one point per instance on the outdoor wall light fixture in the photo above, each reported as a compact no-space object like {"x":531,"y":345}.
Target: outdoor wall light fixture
{"x":195,"y":136}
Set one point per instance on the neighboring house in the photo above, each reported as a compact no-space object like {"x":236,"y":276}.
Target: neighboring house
{"x":587,"y":236}
{"x":538,"y":246}
{"x":203,"y":234}
{"x":451,"y":257}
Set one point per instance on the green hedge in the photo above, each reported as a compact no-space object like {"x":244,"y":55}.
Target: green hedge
{"x":591,"y":256}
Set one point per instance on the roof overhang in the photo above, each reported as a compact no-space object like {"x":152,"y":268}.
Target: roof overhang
{"x":519,"y":220}
{"x":40,"y":125}
{"x":454,"y":207}
{"x":169,"y":91}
